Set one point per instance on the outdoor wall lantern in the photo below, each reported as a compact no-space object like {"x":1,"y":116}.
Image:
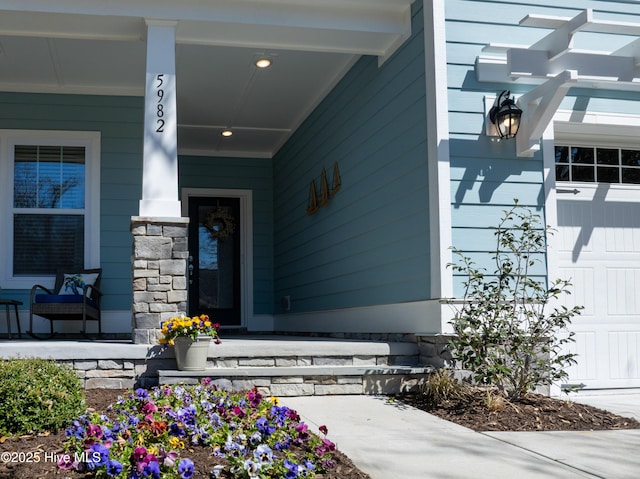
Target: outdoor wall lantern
{"x":505,"y":115}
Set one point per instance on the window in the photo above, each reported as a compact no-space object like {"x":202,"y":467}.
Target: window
{"x":52,"y":205}
{"x":599,"y":165}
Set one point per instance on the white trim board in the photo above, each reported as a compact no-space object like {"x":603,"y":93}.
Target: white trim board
{"x":437,"y":110}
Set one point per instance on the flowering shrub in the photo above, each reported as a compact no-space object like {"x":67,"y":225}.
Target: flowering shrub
{"x":149,"y":434}
{"x":190,"y":328}
{"x":511,"y":329}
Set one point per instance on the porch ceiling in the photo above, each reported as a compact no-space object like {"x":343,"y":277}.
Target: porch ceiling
{"x":96,"y":47}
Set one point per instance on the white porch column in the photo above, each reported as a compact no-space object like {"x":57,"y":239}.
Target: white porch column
{"x":160,"y":163}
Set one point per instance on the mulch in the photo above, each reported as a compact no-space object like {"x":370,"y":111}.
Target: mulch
{"x":533,"y":413}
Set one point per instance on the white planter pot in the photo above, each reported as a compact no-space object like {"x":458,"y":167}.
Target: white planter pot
{"x":192,"y":355}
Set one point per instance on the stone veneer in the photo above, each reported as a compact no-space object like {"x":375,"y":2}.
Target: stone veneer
{"x":118,"y":373}
{"x":434,"y":350}
{"x":160,"y":253}
{"x":282,"y":366}
{"x":282,"y":376}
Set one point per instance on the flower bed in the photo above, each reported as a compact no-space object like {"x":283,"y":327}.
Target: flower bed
{"x":150,"y":434}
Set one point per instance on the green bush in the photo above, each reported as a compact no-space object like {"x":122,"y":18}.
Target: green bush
{"x":511,"y":328}
{"x":37,"y":395}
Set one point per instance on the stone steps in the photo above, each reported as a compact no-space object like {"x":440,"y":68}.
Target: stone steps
{"x":307,"y":380}
{"x":309,"y":366}
{"x":278,"y":365}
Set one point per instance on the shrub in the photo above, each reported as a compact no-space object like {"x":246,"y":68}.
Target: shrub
{"x":507,"y":331}
{"x":37,"y":395}
{"x":442,"y":386}
{"x":494,"y":402}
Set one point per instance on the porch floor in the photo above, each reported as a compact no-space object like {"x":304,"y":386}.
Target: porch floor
{"x":238,"y":346}
{"x":280,"y":365}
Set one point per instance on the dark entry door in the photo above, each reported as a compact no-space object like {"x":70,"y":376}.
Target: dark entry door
{"x":214,"y":262}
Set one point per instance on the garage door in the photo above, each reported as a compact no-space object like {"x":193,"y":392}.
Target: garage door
{"x":599,"y":250}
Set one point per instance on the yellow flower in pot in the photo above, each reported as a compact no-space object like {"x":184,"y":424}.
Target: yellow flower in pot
{"x":190,"y":336}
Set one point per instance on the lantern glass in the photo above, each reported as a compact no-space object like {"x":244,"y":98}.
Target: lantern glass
{"x":505,"y":115}
{"x":508,"y":123}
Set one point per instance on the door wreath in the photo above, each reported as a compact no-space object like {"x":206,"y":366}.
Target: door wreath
{"x":219,"y":224}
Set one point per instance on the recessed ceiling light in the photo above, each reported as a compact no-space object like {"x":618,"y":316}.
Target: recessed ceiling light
{"x":227,"y":133}
{"x":263,"y":63}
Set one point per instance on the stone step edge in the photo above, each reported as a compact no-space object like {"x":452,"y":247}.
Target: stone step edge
{"x":282,"y":371}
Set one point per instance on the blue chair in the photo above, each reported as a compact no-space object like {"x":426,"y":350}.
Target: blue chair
{"x":75,"y":297}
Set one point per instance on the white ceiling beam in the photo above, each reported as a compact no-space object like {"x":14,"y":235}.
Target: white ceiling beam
{"x":363,"y":27}
{"x":617,"y":70}
{"x":543,"y":21}
{"x":534,"y":63}
{"x":595,"y":26}
{"x":80,"y":27}
{"x":561,"y":39}
{"x":289,"y":38}
{"x":201,"y":9}
{"x":364,"y":16}
{"x":631,"y":50}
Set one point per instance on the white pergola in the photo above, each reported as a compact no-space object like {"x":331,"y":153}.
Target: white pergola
{"x":554,"y":64}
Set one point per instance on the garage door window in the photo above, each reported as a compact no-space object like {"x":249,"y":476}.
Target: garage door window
{"x":597,"y":165}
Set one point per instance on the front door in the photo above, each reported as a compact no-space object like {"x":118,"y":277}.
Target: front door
{"x":214,"y":261}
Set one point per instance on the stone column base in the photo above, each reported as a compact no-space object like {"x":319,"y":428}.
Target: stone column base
{"x":160,"y":254}
{"x":434,"y":350}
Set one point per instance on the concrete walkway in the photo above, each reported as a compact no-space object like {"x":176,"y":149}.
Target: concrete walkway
{"x":621,"y":402}
{"x":391,"y":440}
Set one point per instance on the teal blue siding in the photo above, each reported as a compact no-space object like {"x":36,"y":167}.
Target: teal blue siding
{"x":486,"y":176}
{"x":249,"y":174}
{"x":119,"y":121}
{"x":370,"y":245}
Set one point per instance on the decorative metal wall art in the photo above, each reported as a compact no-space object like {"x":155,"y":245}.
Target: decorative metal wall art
{"x":315,"y":201}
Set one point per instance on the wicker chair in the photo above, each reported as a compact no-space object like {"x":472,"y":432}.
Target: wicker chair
{"x":72,"y":299}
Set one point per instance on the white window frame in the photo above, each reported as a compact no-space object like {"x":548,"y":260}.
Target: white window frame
{"x":90,"y":140}
{"x":592,"y":129}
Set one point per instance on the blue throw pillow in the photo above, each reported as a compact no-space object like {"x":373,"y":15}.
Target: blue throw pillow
{"x":75,"y":283}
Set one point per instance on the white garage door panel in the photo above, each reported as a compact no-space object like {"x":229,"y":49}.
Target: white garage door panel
{"x":624,"y":355}
{"x":599,"y":243}
{"x":623,"y":292}
{"x":582,"y":290}
{"x":585,"y":347}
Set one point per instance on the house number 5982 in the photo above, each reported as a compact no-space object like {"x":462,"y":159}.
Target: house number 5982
{"x":160,"y":105}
